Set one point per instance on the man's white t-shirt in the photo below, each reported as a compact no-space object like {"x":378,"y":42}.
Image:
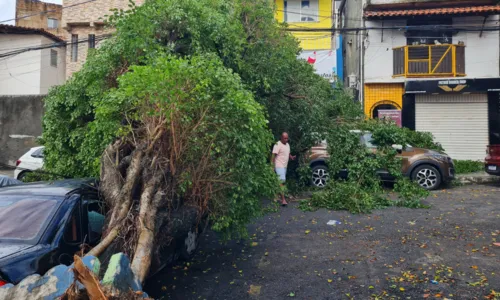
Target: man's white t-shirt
{"x":282,"y":152}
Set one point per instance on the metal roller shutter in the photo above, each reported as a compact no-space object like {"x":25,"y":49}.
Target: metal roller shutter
{"x":458,"y":122}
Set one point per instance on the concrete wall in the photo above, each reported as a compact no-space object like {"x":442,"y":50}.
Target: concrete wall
{"x":20,"y":125}
{"x":481,"y":53}
{"x":32,"y":7}
{"x":20,"y":74}
{"x":29,"y":73}
{"x":309,"y":40}
{"x":378,"y":60}
{"x":49,"y":75}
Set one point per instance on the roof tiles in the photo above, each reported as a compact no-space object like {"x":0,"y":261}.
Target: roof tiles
{"x":4,"y":28}
{"x":432,"y":11}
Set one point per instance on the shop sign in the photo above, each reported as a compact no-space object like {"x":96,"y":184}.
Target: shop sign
{"x":323,"y":61}
{"x":482,"y":85}
{"x":391,"y":114}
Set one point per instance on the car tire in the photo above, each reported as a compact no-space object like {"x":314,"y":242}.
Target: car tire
{"x":319,"y":176}
{"x":427,"y":176}
{"x":21,"y":176}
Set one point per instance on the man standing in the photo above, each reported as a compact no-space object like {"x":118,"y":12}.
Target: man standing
{"x":280,"y":157}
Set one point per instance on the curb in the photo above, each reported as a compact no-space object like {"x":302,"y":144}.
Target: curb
{"x":478,"y":179}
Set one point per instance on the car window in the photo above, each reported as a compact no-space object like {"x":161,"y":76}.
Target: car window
{"x":367,"y":139}
{"x":96,"y":216}
{"x":24,"y":218}
{"x":73,"y":231}
{"x":38,"y":153}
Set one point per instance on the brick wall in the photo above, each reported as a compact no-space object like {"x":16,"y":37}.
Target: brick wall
{"x":86,"y":19}
{"x":383,"y":93}
{"x":30,"y":7}
{"x":83,"y":47}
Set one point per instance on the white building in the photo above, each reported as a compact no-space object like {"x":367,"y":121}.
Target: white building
{"x":31,"y":61}
{"x":437,"y":62}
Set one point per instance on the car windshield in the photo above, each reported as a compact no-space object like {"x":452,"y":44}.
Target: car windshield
{"x":370,"y":143}
{"x":24,"y":217}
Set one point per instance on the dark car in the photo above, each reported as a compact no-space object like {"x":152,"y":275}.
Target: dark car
{"x":426,"y":167}
{"x":492,"y":161}
{"x":44,"y":224}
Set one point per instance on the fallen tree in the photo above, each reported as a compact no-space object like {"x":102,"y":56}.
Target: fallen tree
{"x":172,"y":114}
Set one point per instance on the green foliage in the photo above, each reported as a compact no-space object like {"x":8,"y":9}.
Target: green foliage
{"x":362,"y":191}
{"x":468,"y":166}
{"x":243,"y":33}
{"x":245,"y":58}
{"x":422,"y":140}
{"x":36,"y":176}
{"x":201,"y":93}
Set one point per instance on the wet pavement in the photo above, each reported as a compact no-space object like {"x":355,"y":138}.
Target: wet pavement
{"x":444,"y":252}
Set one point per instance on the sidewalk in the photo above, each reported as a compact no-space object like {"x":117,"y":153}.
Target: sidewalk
{"x":477,"y":177}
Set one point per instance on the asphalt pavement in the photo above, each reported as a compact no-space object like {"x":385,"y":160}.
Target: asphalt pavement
{"x":444,"y":252}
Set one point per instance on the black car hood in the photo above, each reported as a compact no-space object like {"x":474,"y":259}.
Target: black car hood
{"x":8,"y":249}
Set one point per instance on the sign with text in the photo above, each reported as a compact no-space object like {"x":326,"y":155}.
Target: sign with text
{"x":323,"y":61}
{"x":391,"y":114}
{"x":477,"y":85}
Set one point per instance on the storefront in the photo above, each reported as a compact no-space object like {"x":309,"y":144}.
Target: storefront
{"x":462,"y":114}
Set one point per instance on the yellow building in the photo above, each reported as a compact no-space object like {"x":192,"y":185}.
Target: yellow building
{"x":308,"y":14}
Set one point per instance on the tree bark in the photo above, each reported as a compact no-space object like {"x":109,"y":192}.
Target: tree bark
{"x":145,"y":245}
{"x":121,"y":204}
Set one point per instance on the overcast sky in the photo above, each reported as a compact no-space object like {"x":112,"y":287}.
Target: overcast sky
{"x":8,"y":9}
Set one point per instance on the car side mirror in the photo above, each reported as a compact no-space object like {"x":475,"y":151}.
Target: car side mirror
{"x":398,"y":148}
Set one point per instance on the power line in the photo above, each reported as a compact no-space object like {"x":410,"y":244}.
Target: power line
{"x":420,"y":27}
{"x":47,"y":11}
{"x":53,"y":45}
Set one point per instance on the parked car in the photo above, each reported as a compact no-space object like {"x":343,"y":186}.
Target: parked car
{"x":8,"y":181}
{"x":29,"y":162}
{"x":44,"y":224}
{"x":492,"y":161}
{"x":426,"y":167}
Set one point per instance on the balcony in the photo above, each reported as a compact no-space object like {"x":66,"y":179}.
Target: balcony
{"x":429,"y":61}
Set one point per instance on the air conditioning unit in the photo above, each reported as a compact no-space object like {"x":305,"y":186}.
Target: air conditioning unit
{"x":353,"y":81}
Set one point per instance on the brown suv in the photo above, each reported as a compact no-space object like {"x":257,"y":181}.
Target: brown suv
{"x":427,"y":167}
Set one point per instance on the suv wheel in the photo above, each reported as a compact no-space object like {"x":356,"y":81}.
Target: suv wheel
{"x":320,"y":176}
{"x":428,"y":177}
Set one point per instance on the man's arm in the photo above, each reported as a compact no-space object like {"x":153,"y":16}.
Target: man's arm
{"x":274,"y":153}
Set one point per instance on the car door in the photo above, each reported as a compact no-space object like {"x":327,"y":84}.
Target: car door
{"x":73,"y":236}
{"x":94,"y":215}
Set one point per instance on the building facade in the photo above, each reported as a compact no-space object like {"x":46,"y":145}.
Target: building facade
{"x":30,"y":72}
{"x":85,"y":27}
{"x":436,"y":64}
{"x":312,"y":23}
{"x":42,"y":15}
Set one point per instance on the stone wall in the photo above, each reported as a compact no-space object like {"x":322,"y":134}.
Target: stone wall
{"x":118,"y":279}
{"x":31,"y":7}
{"x":20,"y":125}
